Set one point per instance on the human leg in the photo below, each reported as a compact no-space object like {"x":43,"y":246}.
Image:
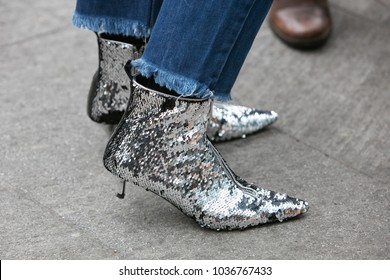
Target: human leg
{"x":188,"y":50}
{"x":238,"y":120}
{"x":241,"y":48}
{"x":161,"y":143}
{"x":121,"y":17}
{"x":122,"y":28}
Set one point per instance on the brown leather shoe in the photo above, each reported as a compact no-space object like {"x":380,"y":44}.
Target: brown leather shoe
{"x":301,"y":23}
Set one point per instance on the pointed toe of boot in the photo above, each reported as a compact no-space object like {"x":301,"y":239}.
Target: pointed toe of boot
{"x":230,"y":121}
{"x":286,"y":207}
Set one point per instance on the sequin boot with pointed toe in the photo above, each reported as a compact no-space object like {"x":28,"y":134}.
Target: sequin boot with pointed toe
{"x":161,"y":145}
{"x":109,"y":94}
{"x":228,"y":121}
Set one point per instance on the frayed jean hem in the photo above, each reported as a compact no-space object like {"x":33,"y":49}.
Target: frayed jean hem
{"x":184,"y":86}
{"x":111,"y":25}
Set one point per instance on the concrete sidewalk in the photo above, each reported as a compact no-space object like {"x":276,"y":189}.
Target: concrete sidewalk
{"x":330,"y":147}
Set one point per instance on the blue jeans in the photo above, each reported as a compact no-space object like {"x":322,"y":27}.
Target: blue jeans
{"x":195,"y":48}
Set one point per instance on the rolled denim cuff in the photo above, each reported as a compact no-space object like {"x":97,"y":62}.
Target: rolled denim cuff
{"x":182,"y":85}
{"x":111,"y":25}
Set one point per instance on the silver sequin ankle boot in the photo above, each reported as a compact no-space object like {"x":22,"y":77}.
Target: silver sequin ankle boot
{"x":109,"y":93}
{"x":161,"y":145}
{"x":229,"y":121}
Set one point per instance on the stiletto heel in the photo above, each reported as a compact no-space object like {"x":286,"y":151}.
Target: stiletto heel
{"x":122,"y":195}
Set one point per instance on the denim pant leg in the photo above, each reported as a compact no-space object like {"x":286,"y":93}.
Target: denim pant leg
{"x":241,"y":48}
{"x":120,"y":17}
{"x":191,"y":43}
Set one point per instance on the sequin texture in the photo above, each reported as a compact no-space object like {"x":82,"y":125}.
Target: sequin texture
{"x":230,"y":121}
{"x":110,"y":90}
{"x":161,"y":145}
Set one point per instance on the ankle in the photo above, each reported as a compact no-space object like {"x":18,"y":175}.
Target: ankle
{"x":138,"y":43}
{"x":151,"y":84}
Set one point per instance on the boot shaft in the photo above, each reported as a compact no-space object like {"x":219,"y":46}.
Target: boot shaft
{"x":157,"y":128}
{"x":109,"y":92}
{"x":164,"y":110}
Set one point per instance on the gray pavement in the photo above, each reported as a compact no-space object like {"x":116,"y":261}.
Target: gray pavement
{"x":331,"y":147}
